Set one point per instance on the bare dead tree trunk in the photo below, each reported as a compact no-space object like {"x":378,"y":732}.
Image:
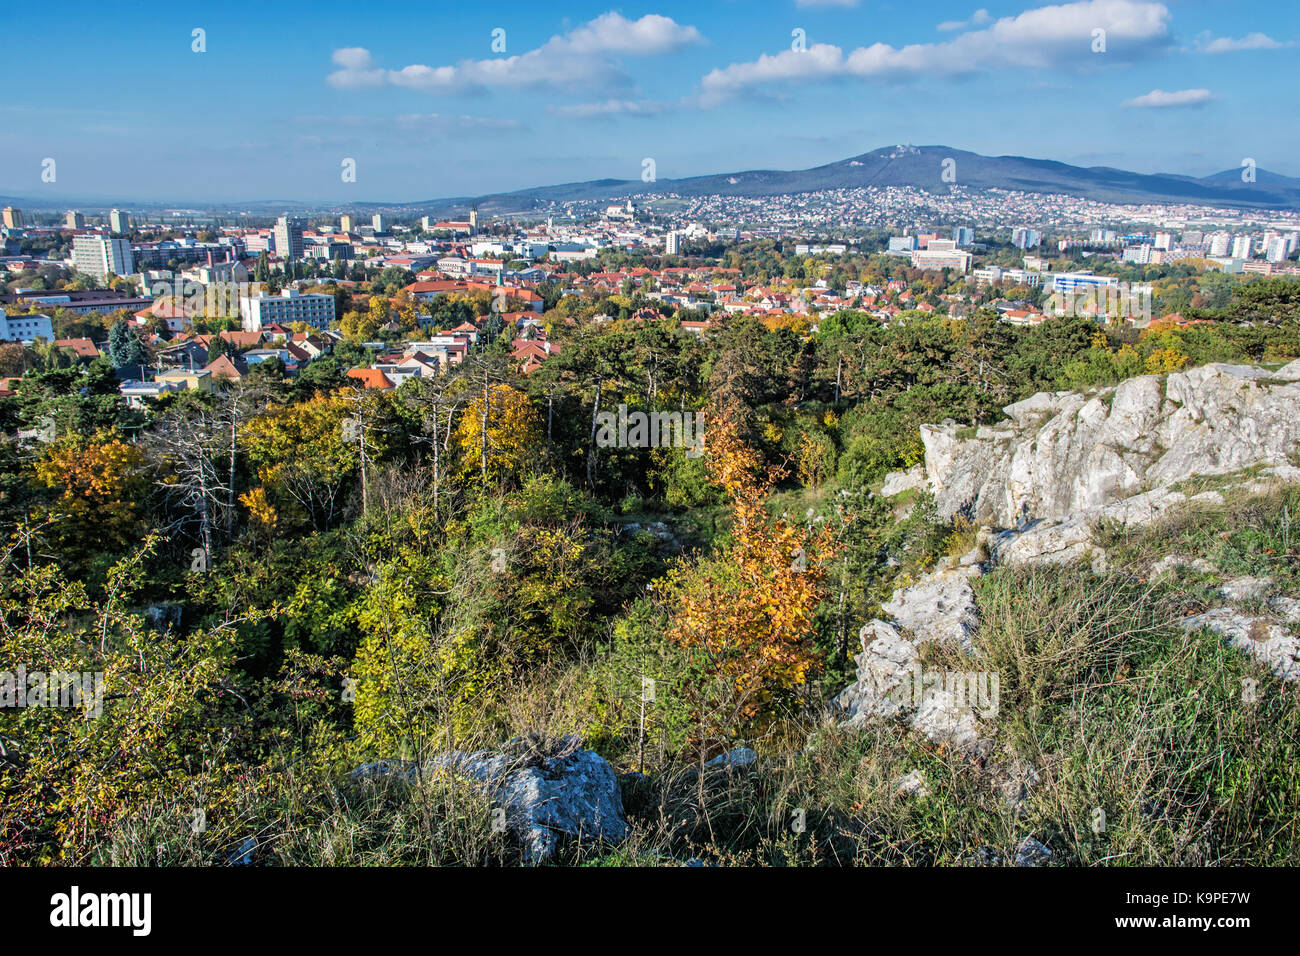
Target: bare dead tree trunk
{"x":230,"y":477}
{"x":436,"y":460}
{"x":365,"y":487}
{"x":591,"y":450}
{"x":483,"y":431}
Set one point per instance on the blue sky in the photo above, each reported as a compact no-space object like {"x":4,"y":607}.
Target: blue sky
{"x":416,"y":95}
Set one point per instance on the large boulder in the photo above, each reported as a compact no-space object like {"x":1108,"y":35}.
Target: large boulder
{"x":891,"y":682}
{"x":550,"y":790}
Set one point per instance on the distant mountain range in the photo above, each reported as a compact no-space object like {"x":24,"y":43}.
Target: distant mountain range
{"x":921,"y":167}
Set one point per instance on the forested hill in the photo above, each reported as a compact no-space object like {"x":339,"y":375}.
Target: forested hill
{"x":923,"y":167}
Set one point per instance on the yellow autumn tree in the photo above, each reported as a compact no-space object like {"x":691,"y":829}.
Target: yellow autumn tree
{"x":260,"y":510}
{"x":102,"y":482}
{"x":1165,"y":360}
{"x":407,"y":309}
{"x":308,"y":453}
{"x":749,"y":609}
{"x":496,"y":445}
{"x":358,"y":325}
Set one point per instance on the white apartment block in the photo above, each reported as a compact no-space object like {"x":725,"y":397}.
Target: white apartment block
{"x":25,"y":328}
{"x":98,"y":257}
{"x":1278,"y":248}
{"x":1024,"y":277}
{"x":941,"y":254}
{"x":290,"y":305}
{"x":1069,"y":281}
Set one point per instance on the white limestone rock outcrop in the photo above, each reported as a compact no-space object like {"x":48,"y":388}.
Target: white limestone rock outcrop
{"x":891,"y":682}
{"x":1063,"y":455}
{"x":940,"y":607}
{"x":897,"y":482}
{"x":1267,"y":641}
{"x":1060,"y":466}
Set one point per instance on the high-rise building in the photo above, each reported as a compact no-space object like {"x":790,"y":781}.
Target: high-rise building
{"x":1024,"y":238}
{"x":288,"y":237}
{"x":99,"y":257}
{"x":74,"y":220}
{"x":672,"y":243}
{"x":1164,"y":240}
{"x":963,"y":236}
{"x":1219,"y":243}
{"x":1241,"y":247}
{"x":1276,"y":250}
{"x":378,"y":221}
{"x":346,"y":223}
{"x":13,"y":218}
{"x":119,"y":222}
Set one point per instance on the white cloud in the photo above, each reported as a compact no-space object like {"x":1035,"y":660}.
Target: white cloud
{"x":1052,"y":37}
{"x":1159,"y":99}
{"x":356,"y":69}
{"x":352,"y":57}
{"x":1251,"y":41}
{"x":579,"y":58}
{"x":651,"y":35}
{"x":611,"y":107}
{"x":978,"y":18}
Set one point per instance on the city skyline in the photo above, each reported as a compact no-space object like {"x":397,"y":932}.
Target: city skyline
{"x":254,"y":117}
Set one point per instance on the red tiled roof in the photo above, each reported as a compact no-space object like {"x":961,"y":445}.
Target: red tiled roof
{"x":223,"y":367}
{"x":370,"y":377}
{"x":83,"y":347}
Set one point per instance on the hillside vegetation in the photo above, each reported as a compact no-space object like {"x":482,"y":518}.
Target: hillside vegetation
{"x":313,"y":654}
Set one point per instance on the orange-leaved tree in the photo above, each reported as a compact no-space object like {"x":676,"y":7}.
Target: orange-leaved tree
{"x":749,"y":609}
